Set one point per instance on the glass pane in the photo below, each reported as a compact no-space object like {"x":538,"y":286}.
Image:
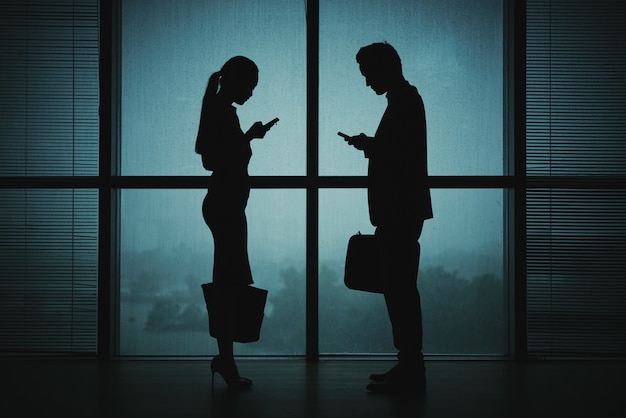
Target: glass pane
{"x":450,"y":50}
{"x":169,"y":50}
{"x":167,"y":253}
{"x":460,"y":280}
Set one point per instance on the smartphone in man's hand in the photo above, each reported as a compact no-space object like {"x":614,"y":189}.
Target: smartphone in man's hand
{"x":270,"y":123}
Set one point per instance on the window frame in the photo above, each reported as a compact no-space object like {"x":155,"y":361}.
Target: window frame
{"x":110,"y":182}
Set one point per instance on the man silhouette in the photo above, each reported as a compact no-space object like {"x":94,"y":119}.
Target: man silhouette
{"x":399,"y":202}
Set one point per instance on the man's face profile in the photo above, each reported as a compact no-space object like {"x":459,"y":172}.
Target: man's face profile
{"x":374,"y":78}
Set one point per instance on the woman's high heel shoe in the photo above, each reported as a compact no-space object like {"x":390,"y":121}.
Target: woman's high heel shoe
{"x":228,"y":370}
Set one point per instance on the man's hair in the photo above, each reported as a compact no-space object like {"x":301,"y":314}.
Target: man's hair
{"x":382,"y":56}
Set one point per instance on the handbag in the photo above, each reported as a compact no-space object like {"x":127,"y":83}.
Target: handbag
{"x":363,"y":270}
{"x":247,"y":318}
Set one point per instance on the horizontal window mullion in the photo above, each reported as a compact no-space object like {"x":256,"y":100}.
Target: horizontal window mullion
{"x":305,"y":182}
{"x":194,"y":182}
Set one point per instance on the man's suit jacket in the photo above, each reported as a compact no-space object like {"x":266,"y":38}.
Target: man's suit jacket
{"x":398,"y":191}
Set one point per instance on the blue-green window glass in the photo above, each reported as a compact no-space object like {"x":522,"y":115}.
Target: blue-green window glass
{"x":166,"y":253}
{"x":451,"y":51}
{"x":169,"y":50}
{"x":461,"y":277}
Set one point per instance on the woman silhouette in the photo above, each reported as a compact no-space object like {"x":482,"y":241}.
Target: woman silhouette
{"x":225,"y":150}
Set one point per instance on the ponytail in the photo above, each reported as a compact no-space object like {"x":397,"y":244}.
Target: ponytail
{"x":203,"y":138}
{"x":213,"y":83}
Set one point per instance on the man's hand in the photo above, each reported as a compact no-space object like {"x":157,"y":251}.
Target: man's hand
{"x":359,"y":142}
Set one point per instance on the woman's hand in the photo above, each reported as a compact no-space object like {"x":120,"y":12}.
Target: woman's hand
{"x":258,"y":130}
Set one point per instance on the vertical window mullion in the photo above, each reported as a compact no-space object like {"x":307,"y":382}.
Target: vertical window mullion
{"x":105,"y":163}
{"x":312,"y":230}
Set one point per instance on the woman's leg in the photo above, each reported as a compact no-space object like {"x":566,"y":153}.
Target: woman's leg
{"x":226,"y":296}
{"x":225,"y":300}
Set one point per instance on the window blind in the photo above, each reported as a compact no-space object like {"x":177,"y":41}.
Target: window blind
{"x":576,"y":177}
{"x":48,"y":268}
{"x":48,"y":142}
{"x":49,"y":76}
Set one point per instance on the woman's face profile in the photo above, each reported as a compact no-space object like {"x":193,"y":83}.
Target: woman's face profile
{"x":239,"y":90}
{"x":243,"y":91}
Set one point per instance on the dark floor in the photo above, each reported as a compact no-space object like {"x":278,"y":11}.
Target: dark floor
{"x":294,"y":388}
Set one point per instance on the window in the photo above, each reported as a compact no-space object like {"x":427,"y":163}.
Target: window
{"x":166,"y":252}
{"x":460,"y":280}
{"x":169,"y":50}
{"x":308,"y":188}
{"x":451,"y":52}
{"x":77,"y":211}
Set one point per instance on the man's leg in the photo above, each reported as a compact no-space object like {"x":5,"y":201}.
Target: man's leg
{"x":400,"y":251}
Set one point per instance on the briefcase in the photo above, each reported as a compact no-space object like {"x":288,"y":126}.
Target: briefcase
{"x":363,"y":270}
{"x":248,"y":316}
